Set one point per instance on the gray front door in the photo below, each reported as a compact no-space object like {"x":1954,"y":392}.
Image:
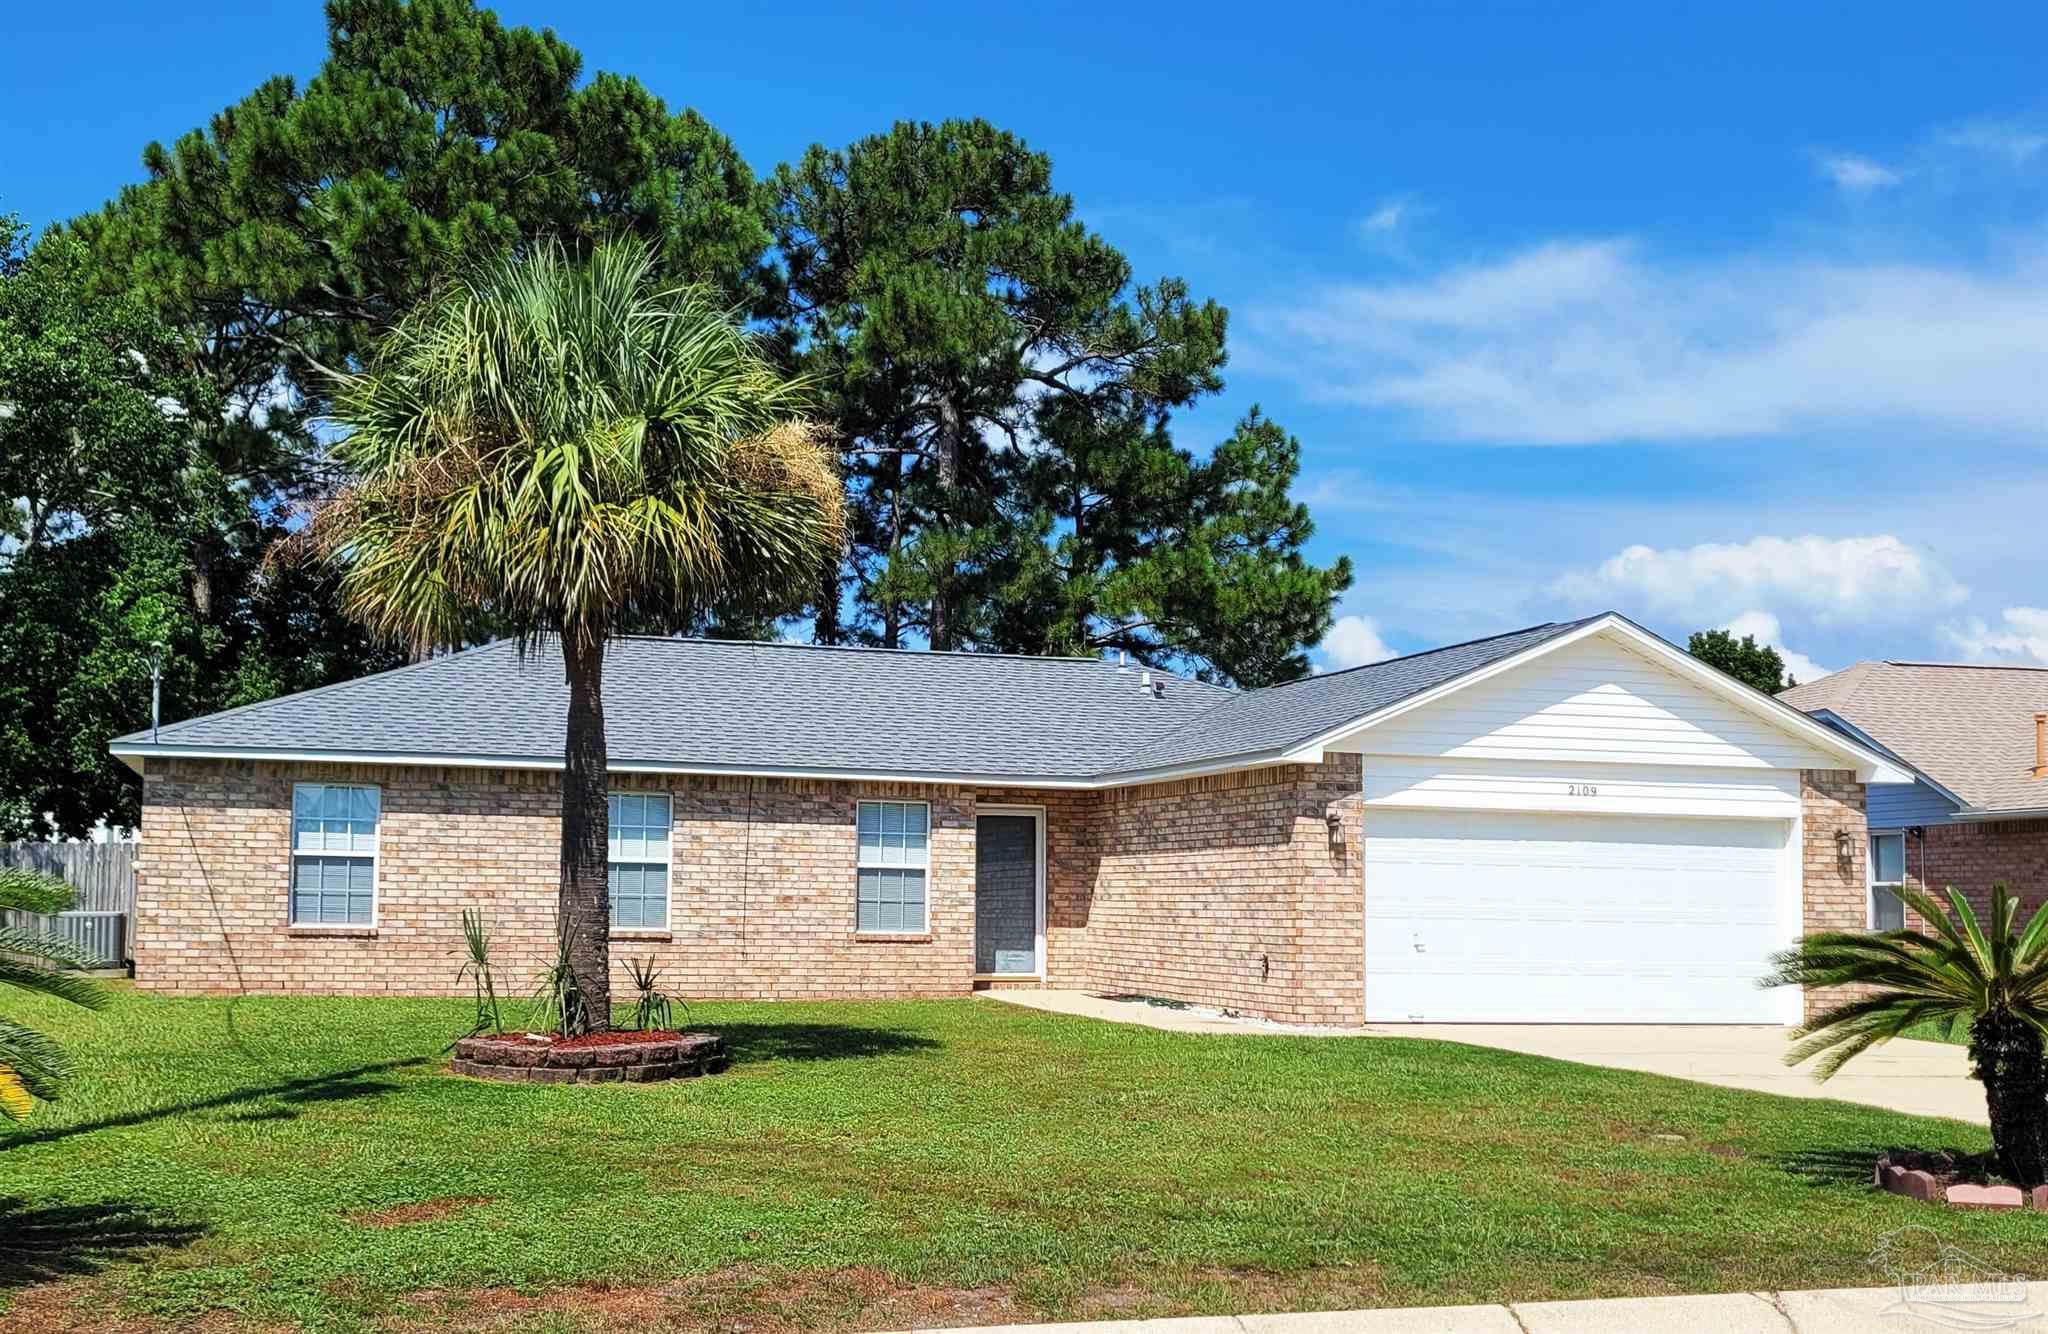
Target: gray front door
{"x":1006,"y":894}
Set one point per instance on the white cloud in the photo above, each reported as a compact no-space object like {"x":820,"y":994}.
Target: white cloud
{"x":2020,"y":636}
{"x":1827,"y":581}
{"x":1764,"y":628}
{"x":2016,"y":143}
{"x":1857,"y":174}
{"x":1354,"y":641}
{"x":1389,"y":216}
{"x":1592,"y":341}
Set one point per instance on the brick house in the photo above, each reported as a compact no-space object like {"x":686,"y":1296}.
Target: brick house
{"x":1975,"y":742}
{"x":1572,"y":821}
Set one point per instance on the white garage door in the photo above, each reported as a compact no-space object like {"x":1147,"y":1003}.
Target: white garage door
{"x":1499,"y":917}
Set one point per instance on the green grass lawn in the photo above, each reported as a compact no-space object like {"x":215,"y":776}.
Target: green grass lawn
{"x":1932,"y":1032}
{"x":308,"y":1162}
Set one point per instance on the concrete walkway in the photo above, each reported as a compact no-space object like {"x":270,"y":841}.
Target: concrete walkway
{"x":1923,"y":1078}
{"x":2020,"y":1306}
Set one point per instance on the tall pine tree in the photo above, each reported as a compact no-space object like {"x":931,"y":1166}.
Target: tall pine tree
{"x":1003,"y":395}
{"x":299,"y":224}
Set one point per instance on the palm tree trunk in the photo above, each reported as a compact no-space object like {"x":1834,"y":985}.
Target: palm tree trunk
{"x":584,"y":902}
{"x":2007,"y":1055}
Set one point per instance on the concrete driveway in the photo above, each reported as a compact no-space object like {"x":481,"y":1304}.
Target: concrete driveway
{"x":1926,"y":1078}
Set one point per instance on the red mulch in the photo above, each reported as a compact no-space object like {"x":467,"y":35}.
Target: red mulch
{"x":615,"y":1038}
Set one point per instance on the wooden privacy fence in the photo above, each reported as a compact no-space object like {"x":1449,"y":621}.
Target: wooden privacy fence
{"x":103,"y":875}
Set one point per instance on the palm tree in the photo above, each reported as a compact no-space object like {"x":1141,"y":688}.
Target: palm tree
{"x":32,"y":1066}
{"x":568,"y":446}
{"x":1987,"y":978}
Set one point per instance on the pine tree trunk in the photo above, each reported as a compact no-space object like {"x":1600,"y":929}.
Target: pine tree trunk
{"x":892,"y":610}
{"x":950,"y":429}
{"x":825,"y":624}
{"x":2006,"y":1057}
{"x":584,"y":902}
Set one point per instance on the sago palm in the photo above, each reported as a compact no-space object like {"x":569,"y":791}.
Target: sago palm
{"x":567,"y":446}
{"x":31,"y":1065}
{"x":1989,"y":978}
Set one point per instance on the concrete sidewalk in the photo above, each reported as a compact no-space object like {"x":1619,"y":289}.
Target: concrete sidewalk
{"x":1834,"y":1311}
{"x":1921,"y":1078}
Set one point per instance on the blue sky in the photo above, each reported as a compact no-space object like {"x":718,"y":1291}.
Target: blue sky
{"x":1733,"y":314}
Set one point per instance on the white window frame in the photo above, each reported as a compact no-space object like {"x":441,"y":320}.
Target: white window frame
{"x":376,"y":855}
{"x":1872,"y":884}
{"x":667,"y":862}
{"x":862,"y":863}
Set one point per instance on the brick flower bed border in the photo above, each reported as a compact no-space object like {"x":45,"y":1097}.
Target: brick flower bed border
{"x":1917,"y":1183}
{"x":632,"y":1059}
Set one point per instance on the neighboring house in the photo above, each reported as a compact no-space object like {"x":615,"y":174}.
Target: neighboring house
{"x":1570,"y":822}
{"x":1976,"y":742}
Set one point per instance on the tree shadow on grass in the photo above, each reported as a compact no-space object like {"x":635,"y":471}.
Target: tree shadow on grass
{"x":816,"y":1042}
{"x":294,"y":1094}
{"x":1844,"y":1167}
{"x":42,"y":1243}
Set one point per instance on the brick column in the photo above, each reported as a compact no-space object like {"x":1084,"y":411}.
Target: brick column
{"x":1834,"y":888}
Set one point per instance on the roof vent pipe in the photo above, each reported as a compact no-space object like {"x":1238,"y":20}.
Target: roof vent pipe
{"x":2041,"y":745}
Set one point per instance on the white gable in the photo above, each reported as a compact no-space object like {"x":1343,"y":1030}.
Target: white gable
{"x":1594,"y":700}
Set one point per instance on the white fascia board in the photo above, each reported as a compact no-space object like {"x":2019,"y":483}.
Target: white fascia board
{"x":1870,"y":766}
{"x":1976,"y":815}
{"x":136,"y":754}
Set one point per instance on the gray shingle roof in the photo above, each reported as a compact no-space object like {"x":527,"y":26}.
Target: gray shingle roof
{"x":792,"y":707}
{"x":1281,"y":717}
{"x":1969,"y":728}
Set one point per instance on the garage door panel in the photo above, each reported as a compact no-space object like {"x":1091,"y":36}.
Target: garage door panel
{"x":1497,"y":917}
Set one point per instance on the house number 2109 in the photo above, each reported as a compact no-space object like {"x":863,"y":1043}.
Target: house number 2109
{"x":1582,"y":789}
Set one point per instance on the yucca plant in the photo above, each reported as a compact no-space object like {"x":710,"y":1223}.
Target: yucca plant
{"x":570,"y":447}
{"x":477,"y":968}
{"x":559,"y":1005}
{"x":31,"y":1065}
{"x":652,"y":1008}
{"x":1989,"y":978}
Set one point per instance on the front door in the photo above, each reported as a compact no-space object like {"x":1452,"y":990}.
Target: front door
{"x":1006,"y":893}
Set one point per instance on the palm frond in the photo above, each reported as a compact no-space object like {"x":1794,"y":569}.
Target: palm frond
{"x":23,"y":890}
{"x":567,"y":443}
{"x":37,"y":1063}
{"x":1960,"y":969}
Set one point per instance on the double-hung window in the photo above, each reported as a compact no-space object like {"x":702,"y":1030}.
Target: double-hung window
{"x":638,"y":857}
{"x":1887,"y":878}
{"x":894,"y":859}
{"x":334,"y":854}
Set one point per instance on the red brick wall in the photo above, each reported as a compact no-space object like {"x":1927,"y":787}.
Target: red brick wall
{"x":1228,"y":890}
{"x":1974,"y":857}
{"x":1225,"y":890}
{"x":762,"y":894}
